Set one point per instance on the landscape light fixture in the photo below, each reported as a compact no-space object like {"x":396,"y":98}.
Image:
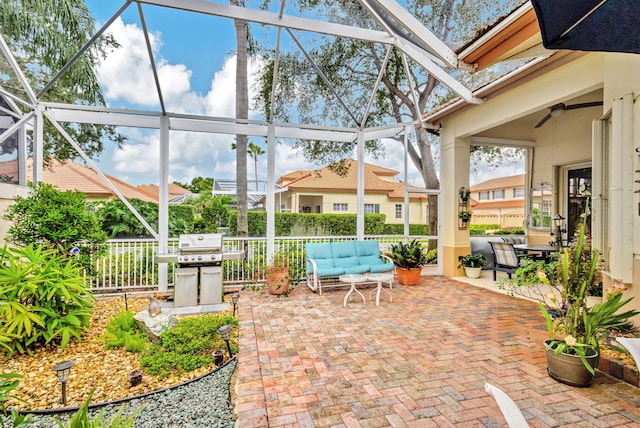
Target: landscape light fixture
{"x":62,"y":371}
{"x":225,"y":333}
{"x":234,"y":298}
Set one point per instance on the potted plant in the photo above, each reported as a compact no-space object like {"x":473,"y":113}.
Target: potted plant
{"x":277,"y":274}
{"x":464,"y":194}
{"x":472,"y":264}
{"x":575,"y":332}
{"x":465,"y":215}
{"x":409,"y":259}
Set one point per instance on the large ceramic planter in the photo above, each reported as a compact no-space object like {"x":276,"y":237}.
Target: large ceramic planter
{"x":278,"y":280}
{"x":568,"y":369}
{"x":472,"y":272}
{"x":408,"y":276}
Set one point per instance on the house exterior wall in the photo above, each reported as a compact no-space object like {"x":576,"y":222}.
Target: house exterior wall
{"x":326,"y":201}
{"x":565,"y":141}
{"x":7,"y":194}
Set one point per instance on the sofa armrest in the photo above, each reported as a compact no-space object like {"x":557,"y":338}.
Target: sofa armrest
{"x":315,"y":284}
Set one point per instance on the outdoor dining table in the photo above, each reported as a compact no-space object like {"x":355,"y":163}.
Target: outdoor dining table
{"x":545,"y":250}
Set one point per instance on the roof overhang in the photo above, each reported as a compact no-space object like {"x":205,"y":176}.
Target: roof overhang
{"x":516,"y":36}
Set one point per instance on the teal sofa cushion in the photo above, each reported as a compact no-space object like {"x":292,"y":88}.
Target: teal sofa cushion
{"x":320,"y":252}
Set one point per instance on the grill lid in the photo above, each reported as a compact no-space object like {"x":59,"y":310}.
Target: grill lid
{"x":200,"y":243}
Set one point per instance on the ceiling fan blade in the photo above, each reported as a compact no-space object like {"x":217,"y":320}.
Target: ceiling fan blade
{"x":544,"y":119}
{"x":583,"y":105}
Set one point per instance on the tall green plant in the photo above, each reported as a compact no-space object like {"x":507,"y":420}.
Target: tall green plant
{"x":46,"y":299}
{"x":579,"y":329}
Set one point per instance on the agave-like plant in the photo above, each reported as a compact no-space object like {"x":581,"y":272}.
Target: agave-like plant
{"x":408,"y":255}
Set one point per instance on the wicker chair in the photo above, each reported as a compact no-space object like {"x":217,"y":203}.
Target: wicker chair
{"x":506,"y":258}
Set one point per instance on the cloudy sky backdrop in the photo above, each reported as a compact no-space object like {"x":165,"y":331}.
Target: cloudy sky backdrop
{"x":196,"y":64}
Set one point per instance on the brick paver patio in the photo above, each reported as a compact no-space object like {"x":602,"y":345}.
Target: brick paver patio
{"x":419,"y":361}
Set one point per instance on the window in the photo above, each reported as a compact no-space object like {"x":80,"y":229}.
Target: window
{"x":498,"y":194}
{"x":483,"y":196}
{"x":372,"y":208}
{"x":340,"y":207}
{"x":398,"y":210}
{"x":518,"y":193}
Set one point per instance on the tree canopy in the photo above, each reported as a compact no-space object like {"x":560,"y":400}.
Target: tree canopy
{"x":44,"y":36}
{"x":352,"y":66}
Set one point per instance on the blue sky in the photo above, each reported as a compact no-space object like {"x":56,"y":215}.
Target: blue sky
{"x":196,"y":63}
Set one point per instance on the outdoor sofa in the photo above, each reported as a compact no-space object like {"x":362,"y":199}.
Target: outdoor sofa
{"x":326,"y":261}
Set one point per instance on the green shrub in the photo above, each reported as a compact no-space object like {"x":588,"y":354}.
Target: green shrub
{"x":122,"y":331}
{"x":510,"y":231}
{"x":118,"y":222}
{"x":59,"y":221}
{"x":334,"y":224}
{"x":187,"y":346}
{"x":46,"y":299}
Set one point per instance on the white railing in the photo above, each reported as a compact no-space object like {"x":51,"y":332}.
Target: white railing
{"x":130,"y":264}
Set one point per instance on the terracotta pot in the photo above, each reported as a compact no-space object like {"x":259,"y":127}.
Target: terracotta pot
{"x":568,"y":369}
{"x":278,"y":280}
{"x":408,"y":276}
{"x":472,"y":272}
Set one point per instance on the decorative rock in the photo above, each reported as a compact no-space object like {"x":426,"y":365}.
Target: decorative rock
{"x":153,"y":326}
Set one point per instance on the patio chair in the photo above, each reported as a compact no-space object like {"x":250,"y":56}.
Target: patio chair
{"x":631,"y":344}
{"x":509,"y":409}
{"x":506,"y":258}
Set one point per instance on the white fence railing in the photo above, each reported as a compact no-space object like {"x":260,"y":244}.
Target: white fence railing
{"x":130,"y":264}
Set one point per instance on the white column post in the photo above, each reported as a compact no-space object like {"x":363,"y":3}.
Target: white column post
{"x":163,"y":203}
{"x":38,"y":145}
{"x":271,"y":184}
{"x":360,"y":187}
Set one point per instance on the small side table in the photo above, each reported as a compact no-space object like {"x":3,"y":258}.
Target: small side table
{"x":353,"y":279}
{"x":380,"y":278}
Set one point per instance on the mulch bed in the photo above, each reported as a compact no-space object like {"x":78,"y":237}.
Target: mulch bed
{"x":104,"y":370}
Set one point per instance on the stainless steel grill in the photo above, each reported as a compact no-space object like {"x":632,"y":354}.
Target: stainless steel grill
{"x":204,"y":249}
{"x":198,"y":277}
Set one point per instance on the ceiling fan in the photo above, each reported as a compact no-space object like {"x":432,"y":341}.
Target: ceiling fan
{"x":557,"y":109}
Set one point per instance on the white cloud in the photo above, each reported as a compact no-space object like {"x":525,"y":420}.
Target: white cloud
{"x":126,"y":72}
{"x":127,"y":80}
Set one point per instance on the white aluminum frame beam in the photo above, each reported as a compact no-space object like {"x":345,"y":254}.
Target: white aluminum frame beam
{"x":181,"y":122}
{"x":420,"y":55}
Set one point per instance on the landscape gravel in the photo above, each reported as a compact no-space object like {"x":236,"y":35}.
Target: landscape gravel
{"x":205,"y":402}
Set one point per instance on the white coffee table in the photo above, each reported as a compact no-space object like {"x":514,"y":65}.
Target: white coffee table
{"x":352,"y":279}
{"x":380,"y":278}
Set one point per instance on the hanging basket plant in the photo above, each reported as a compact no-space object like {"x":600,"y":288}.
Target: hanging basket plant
{"x":465,"y":215}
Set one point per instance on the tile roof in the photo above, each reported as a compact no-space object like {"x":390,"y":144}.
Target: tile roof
{"x":152,"y":190}
{"x":376,"y":179}
{"x":504,"y":203}
{"x":73,"y":176}
{"x":499,"y":183}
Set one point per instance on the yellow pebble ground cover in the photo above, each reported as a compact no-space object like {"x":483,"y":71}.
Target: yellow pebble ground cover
{"x":104,"y":370}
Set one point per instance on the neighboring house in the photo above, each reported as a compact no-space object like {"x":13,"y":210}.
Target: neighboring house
{"x":176,"y":193}
{"x":325,"y":191}
{"x":499,"y":201}
{"x":578,"y":116}
{"x":73,"y":176}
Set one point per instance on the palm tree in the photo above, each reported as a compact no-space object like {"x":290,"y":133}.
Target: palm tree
{"x":255,"y":151}
{"x":242,"y":112}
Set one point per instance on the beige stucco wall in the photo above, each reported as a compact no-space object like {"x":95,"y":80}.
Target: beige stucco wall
{"x":7,"y":193}
{"x":560,"y":142}
{"x":417,"y":208}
